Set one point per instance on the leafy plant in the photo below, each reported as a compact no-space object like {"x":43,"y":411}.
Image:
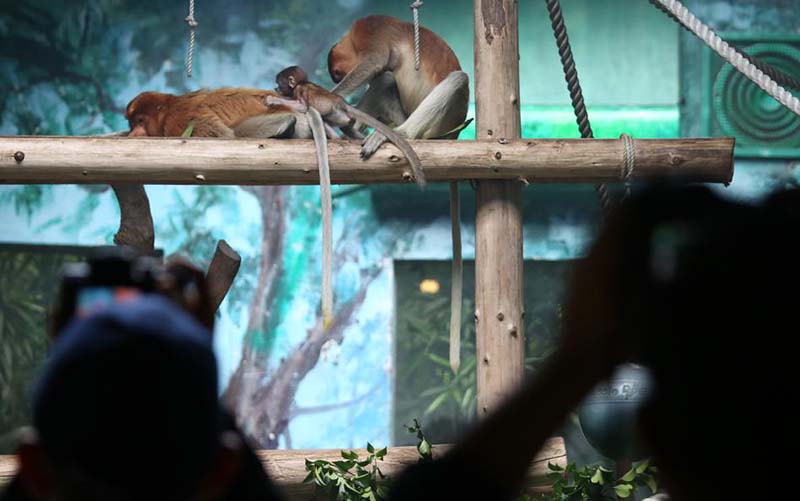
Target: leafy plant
{"x":424,"y":447}
{"x":352,"y":478}
{"x":597,"y":483}
{"x":26,"y":289}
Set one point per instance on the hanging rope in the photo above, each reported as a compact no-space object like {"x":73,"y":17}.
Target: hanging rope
{"x":574,"y":86}
{"x":629,"y":161}
{"x":771,"y":71}
{"x":739,"y":61}
{"x":192,"y":22}
{"x":415,"y":9}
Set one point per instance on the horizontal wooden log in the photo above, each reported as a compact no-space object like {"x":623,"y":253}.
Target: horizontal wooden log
{"x":93,"y":160}
{"x":287,"y":467}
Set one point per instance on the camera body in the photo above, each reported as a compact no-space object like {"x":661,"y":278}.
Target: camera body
{"x":120,"y":274}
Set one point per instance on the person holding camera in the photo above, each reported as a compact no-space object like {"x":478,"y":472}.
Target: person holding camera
{"x":127,"y":405}
{"x":702,"y":292}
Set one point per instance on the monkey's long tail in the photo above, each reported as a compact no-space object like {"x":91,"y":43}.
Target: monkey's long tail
{"x":396,"y":139}
{"x":321,"y":142}
{"x":457,"y":277}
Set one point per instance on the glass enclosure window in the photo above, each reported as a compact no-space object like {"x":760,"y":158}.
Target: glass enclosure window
{"x":425,"y":387}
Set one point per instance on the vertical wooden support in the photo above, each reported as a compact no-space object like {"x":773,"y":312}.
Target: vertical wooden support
{"x":500,"y":339}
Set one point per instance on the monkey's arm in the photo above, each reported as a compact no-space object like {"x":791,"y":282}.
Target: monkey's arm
{"x":208,"y":124}
{"x":330,"y":131}
{"x":293,"y":104}
{"x":395,"y":138}
{"x":440,"y":112}
{"x":382,"y":100}
{"x":267,"y":126}
{"x":370,"y":67}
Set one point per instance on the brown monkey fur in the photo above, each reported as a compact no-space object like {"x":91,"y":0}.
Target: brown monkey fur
{"x":293,"y":83}
{"x":213,"y":113}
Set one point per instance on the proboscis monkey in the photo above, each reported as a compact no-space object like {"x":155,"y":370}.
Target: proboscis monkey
{"x":227,"y":112}
{"x":303,"y":96}
{"x":293,"y":83}
{"x":427,"y":103}
{"x":238,"y":112}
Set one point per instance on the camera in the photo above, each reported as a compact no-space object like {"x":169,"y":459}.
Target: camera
{"x":120,"y":274}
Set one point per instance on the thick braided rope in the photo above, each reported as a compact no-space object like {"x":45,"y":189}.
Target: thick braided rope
{"x":574,"y":86}
{"x":415,"y":10}
{"x":730,"y":54}
{"x":192,"y":22}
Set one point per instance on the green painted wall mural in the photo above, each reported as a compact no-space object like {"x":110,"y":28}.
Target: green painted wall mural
{"x":71,"y":70}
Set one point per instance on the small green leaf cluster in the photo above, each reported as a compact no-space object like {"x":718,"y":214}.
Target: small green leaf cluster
{"x":353,"y":478}
{"x":597,"y":483}
{"x":350,"y":478}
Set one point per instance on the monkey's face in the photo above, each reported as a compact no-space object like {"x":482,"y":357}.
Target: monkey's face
{"x":146,"y":113}
{"x":289,"y":78}
{"x":341,"y":61}
{"x":285,"y":86}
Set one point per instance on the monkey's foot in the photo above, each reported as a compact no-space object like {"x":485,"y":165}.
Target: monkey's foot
{"x":371,"y":144}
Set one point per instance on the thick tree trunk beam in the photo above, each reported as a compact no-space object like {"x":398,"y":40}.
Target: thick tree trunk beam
{"x":221,"y":273}
{"x":287,"y":467}
{"x":93,"y":160}
{"x":135,"y":218}
{"x":499,"y":327}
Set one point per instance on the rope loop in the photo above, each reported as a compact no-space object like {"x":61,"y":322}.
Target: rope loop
{"x":629,"y":161}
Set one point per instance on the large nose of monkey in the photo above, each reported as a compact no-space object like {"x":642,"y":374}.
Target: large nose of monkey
{"x":138,"y":131}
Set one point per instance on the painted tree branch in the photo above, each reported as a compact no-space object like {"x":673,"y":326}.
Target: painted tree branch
{"x":221,"y":273}
{"x":317,"y":409}
{"x":251,"y":370}
{"x":274,"y":401}
{"x":135,"y":219}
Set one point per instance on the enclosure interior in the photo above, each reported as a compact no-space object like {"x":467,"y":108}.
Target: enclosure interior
{"x":71,"y":71}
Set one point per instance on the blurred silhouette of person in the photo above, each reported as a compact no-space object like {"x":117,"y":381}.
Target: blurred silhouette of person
{"x":700,"y":290}
{"x":127,"y":409}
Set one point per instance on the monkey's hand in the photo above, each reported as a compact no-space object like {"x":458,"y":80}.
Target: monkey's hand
{"x":371,"y":144}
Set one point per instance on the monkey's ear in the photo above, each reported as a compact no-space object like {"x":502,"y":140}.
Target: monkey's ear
{"x":292,"y":81}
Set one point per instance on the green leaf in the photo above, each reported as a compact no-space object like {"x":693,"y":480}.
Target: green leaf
{"x":370,"y":448}
{"x":623,"y":490}
{"x":651,"y":483}
{"x":439,"y":360}
{"x":630,"y":476}
{"x":188,"y":131}
{"x":344,"y":465}
{"x":381,"y":453}
{"x":436,"y":404}
{"x":424,"y":448}
{"x":597,"y":478}
{"x":642,"y":467}
{"x":555,"y":467}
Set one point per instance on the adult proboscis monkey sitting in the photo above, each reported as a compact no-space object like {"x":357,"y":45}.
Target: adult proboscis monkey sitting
{"x":427,"y":103}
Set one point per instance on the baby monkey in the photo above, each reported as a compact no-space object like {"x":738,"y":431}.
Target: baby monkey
{"x":293,"y":83}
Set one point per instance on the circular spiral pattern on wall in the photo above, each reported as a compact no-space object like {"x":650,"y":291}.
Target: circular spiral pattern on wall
{"x":745,"y":111}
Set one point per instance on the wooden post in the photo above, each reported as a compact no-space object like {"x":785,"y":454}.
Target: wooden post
{"x":499,"y":333}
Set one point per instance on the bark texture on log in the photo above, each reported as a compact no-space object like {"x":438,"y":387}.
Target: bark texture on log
{"x":77,"y":160}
